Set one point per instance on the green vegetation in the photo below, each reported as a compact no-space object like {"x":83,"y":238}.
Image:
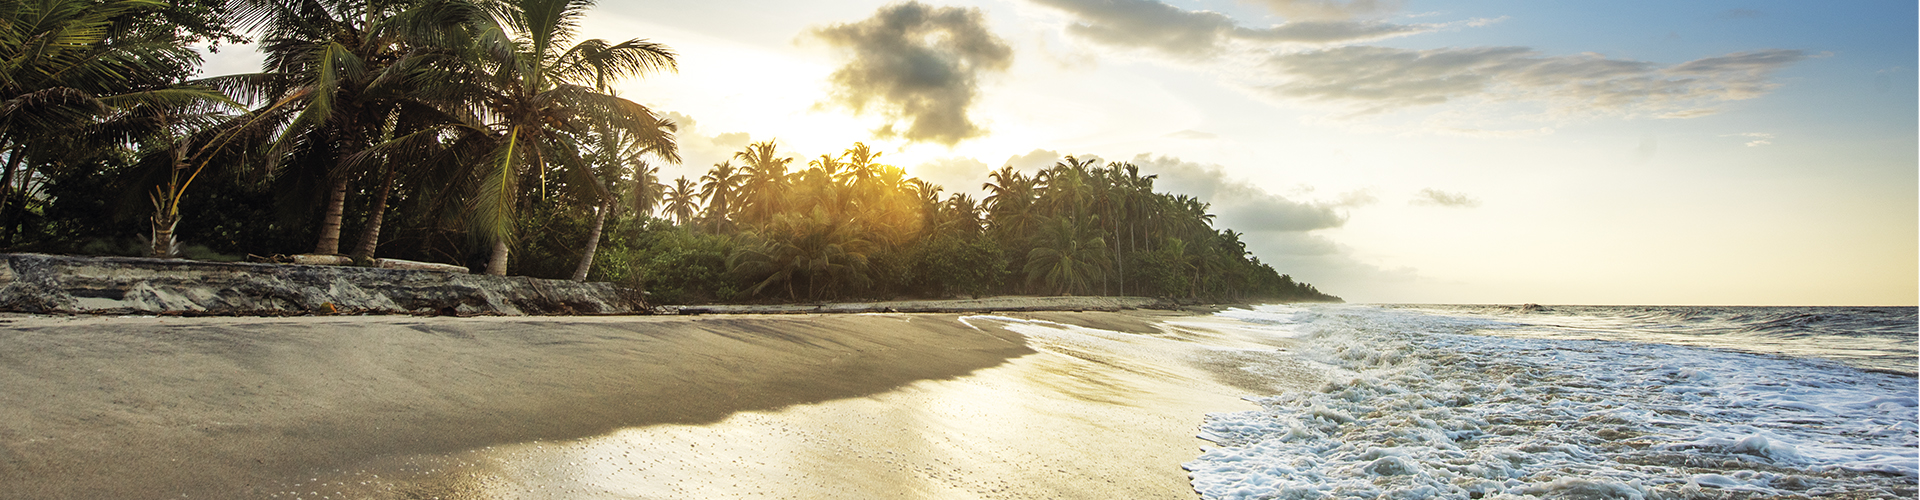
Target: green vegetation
{"x":480,"y":132}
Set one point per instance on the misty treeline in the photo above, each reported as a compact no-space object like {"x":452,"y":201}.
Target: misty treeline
{"x":481,"y":133}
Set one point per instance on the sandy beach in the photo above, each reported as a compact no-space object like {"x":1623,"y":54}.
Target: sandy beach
{"x":719,"y":406}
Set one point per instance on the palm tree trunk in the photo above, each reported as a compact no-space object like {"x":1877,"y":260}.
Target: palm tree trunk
{"x":593,"y":242}
{"x":329,"y":243}
{"x":6,"y":197}
{"x":370,"y":239}
{"x":497,"y":265}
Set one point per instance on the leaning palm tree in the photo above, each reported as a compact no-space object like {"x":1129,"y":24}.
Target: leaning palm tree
{"x":616,"y":156}
{"x":535,"y":93}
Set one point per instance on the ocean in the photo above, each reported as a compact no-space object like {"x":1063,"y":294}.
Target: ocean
{"x":1438,"y":401}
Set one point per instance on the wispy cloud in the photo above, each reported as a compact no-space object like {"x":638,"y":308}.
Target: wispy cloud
{"x":1329,"y":9}
{"x":1318,"y":56}
{"x":1436,"y":198}
{"x":917,"y":64}
{"x":1758,"y":138}
{"x":1381,"y":79}
{"x":1480,"y":133}
{"x":1197,"y":35}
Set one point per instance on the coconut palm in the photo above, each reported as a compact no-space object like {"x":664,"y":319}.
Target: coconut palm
{"x":646,"y":193}
{"x":718,"y":189}
{"x":70,"y":67}
{"x":339,"y":78}
{"x":683,"y":199}
{"x":820,"y":185}
{"x":960,"y":214}
{"x":533,"y":94}
{"x":816,"y":251}
{"x":617,"y":156}
{"x":766,"y":183}
{"x":1067,"y":260}
{"x":862,"y":167}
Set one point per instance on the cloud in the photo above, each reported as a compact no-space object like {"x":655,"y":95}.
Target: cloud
{"x":1192,"y":134}
{"x":957,"y":175}
{"x":1034,"y":160}
{"x":1239,"y":204}
{"x":917,"y":64}
{"x":1436,"y":198}
{"x":1356,"y":198}
{"x":1328,"y":9}
{"x":1200,"y":34}
{"x":1314,"y":57}
{"x":1488,"y":134}
{"x":1759,"y":138}
{"x":1380,"y":79}
{"x":700,"y":148}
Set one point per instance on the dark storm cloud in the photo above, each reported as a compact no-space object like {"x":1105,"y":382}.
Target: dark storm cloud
{"x":919,"y":65}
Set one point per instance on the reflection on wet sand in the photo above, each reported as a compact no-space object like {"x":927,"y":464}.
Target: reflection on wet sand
{"x":1091,"y":414}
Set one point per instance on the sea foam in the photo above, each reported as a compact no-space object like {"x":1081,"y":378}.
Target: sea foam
{"x":1420,"y":407}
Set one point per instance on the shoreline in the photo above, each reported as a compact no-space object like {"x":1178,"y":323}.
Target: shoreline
{"x":151,"y":407}
{"x":55,"y":284}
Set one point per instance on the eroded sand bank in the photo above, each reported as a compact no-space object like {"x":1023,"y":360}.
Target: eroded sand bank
{"x":878,"y":406}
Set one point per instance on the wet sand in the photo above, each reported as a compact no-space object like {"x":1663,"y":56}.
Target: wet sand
{"x":808,"y":406}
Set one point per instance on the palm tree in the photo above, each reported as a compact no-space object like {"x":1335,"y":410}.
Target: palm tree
{"x":617,"y":156}
{"x":961,"y":214}
{"x":718,"y":189}
{"x":817,"y":251}
{"x":766,"y":181}
{"x":821,"y":186}
{"x":1066,"y":260}
{"x":339,"y":75}
{"x":1064,"y":187}
{"x":646,"y":193}
{"x":68,"y":66}
{"x":532,"y":90}
{"x":861,"y":166}
{"x":683,"y":199}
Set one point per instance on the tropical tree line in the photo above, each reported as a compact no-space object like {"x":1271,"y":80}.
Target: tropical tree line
{"x":483,"y":133}
{"x":762,"y":224}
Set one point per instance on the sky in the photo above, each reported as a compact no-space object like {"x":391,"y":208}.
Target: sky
{"x":1617,"y":152}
